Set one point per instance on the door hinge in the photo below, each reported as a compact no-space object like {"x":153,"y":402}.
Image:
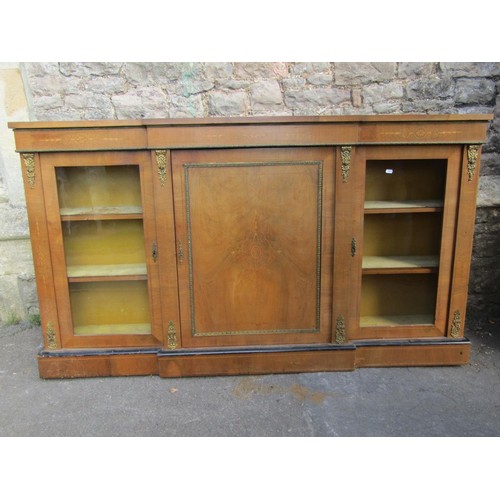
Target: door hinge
{"x":353,"y":247}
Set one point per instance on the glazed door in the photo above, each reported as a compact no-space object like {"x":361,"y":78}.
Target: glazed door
{"x":406,"y":236}
{"x":255,"y":238}
{"x":100,"y":215}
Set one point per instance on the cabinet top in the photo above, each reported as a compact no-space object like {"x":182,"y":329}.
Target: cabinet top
{"x":258,"y":131}
{"x":169,"y":122}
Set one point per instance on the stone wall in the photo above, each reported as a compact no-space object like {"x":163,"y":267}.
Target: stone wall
{"x":74,"y":91}
{"x":17,"y":297}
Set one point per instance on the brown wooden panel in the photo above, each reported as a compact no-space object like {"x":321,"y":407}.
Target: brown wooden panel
{"x":33,"y":188}
{"x":97,"y":366}
{"x":427,"y":355}
{"x":81,"y":139}
{"x":256,"y":363}
{"x":422,"y":133}
{"x":256,"y":231}
{"x":74,"y":367}
{"x":165,"y":237}
{"x":469,"y":180}
{"x":216,"y":136}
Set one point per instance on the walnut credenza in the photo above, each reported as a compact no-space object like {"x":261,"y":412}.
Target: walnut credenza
{"x":251,"y":245}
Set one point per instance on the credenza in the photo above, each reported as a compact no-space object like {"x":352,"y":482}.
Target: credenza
{"x":222,"y":246}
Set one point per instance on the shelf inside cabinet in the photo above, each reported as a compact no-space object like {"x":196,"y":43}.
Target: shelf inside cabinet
{"x":103,"y":272}
{"x":410,"y":206}
{"x":394,"y":264}
{"x":118,"y":329}
{"x":407,"y":320}
{"x":101,"y":213}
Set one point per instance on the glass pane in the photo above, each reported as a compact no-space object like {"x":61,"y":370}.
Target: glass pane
{"x":402,"y":234}
{"x":107,"y":308}
{"x":389,"y":300}
{"x":405,"y":180}
{"x":113,"y":189}
{"x":109,"y":247}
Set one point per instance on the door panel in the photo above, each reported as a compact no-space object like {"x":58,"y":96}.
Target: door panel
{"x":254,"y":232}
{"x":100,"y":214}
{"x":409,"y":203}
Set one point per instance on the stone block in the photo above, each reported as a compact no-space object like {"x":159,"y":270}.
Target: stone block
{"x":432,"y":106}
{"x":293,"y":83}
{"x":105,"y":84}
{"x":87,"y":69}
{"x":218,"y":71}
{"x":186,"y":107}
{"x":233,"y":84}
{"x":10,"y":302}
{"x":148,"y":102}
{"x":138,"y":73}
{"x":308,"y":68}
{"x":413,"y":69}
{"x":187,"y":87}
{"x":320,"y":79}
{"x":313,"y":99}
{"x":355,"y":73}
{"x":41,"y":68}
{"x":14,"y":221}
{"x":490,"y":164}
{"x":259,"y":70}
{"x":430,"y":88}
{"x":470,"y":69}
{"x":489,"y":191}
{"x":49,"y":101}
{"x":28,"y":294}
{"x":475,"y":91}
{"x":265,"y":93}
{"x":57,"y":114}
{"x":382,"y":92}
{"x":387,"y":107}
{"x":227,"y":103}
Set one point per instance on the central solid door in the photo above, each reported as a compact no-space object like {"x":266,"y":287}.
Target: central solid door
{"x":254,"y":233}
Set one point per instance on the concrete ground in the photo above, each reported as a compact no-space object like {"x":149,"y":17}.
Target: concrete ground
{"x":437,"y":401}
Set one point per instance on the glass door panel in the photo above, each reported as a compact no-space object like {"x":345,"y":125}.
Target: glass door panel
{"x":99,"y":190}
{"x":104,"y":249}
{"x":403,"y":225}
{"x":110,"y":308}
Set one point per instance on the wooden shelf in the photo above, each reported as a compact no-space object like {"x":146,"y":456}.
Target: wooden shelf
{"x":409,"y":320}
{"x":113,"y":272}
{"x":396,"y":264}
{"x":101,"y":213}
{"x":119,"y":329}
{"x":410,"y":206}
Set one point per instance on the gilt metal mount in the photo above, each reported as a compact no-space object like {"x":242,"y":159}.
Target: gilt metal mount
{"x":472,"y":154}
{"x":161,"y":163}
{"x":345,"y":154}
{"x":172,"y":336}
{"x":456,"y":324}
{"x":29,"y":163}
